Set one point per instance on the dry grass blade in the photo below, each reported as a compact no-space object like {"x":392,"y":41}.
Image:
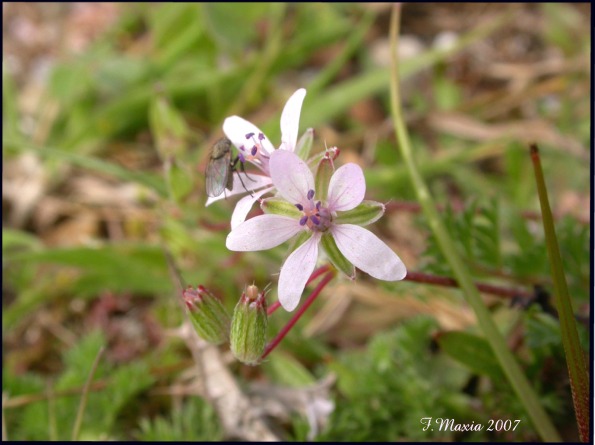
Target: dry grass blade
{"x":529,"y":130}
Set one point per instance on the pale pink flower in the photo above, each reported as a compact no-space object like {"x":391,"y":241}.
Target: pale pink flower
{"x":295,"y":183}
{"x":254,"y":147}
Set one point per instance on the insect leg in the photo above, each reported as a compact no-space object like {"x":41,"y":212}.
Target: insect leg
{"x":233,"y":168}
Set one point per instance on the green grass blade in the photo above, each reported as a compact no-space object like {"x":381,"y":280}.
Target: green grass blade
{"x":575,"y":359}
{"x":517,"y":379}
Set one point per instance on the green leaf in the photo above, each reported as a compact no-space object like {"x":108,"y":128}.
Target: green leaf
{"x":152,"y":181}
{"x":286,"y":370}
{"x":127,"y":267}
{"x":235,"y":25}
{"x":168,"y":127}
{"x":12,"y":239}
{"x":472,"y":351}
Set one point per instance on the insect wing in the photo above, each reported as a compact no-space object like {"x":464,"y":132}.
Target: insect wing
{"x":218,"y":173}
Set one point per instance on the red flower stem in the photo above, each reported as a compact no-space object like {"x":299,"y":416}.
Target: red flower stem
{"x":420,"y":277}
{"x":283,"y":332}
{"x":317,"y":273}
{"x":273,"y":307}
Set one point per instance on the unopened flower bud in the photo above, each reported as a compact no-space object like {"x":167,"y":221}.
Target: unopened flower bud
{"x":208,"y":315}
{"x":249,"y":326}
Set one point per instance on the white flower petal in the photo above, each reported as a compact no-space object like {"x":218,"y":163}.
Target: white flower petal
{"x":244,"y":205}
{"x":290,"y":120}
{"x":257,"y":182}
{"x":291,"y":176}
{"x":236,"y":129}
{"x":347,"y":188}
{"x":368,"y":252}
{"x":295,"y":272}
{"x":262,"y":232}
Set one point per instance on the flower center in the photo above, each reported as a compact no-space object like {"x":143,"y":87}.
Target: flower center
{"x":254,"y":154}
{"x":316,"y":216}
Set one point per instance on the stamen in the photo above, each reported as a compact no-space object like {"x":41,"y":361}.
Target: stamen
{"x":249,"y":135}
{"x":254,"y":150}
{"x":300,"y":207}
{"x":318,"y":206}
{"x":303,"y":220}
{"x":242,"y":158}
{"x":242,"y":148}
{"x":260,"y":137}
{"x":315,"y":220}
{"x":310,"y":194}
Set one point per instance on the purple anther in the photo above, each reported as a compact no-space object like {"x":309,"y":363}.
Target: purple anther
{"x":318,"y":206}
{"x":303,"y":220}
{"x":310,"y":194}
{"x":254,"y":150}
{"x":249,"y":135}
{"x":242,"y":148}
{"x":241,"y":157}
{"x":260,"y":137}
{"x":315,"y":220}
{"x":300,"y":207}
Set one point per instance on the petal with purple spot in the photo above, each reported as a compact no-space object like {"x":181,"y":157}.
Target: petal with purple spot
{"x":236,"y":129}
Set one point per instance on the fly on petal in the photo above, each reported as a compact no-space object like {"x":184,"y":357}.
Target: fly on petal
{"x":219,"y":169}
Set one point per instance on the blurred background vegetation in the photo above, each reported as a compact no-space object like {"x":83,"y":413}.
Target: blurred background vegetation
{"x":108,"y":114}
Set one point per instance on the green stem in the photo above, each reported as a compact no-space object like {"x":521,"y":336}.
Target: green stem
{"x":575,"y":359}
{"x":510,"y":367}
{"x":79,"y":414}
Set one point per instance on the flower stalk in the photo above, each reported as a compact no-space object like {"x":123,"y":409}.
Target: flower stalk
{"x":513,"y":372}
{"x":283,"y":332}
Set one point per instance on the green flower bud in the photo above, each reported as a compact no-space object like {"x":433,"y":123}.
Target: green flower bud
{"x":208,"y":315}
{"x":249,"y":326}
